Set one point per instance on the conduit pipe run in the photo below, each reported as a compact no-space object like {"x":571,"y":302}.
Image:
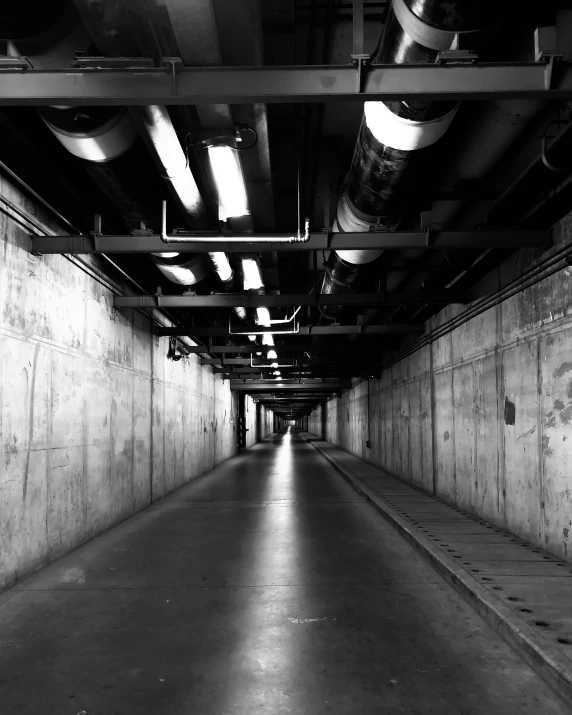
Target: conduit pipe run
{"x":107,"y":141}
{"x":395,"y":137}
{"x":159,"y":135}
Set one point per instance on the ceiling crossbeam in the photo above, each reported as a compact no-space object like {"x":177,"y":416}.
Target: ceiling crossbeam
{"x":175,"y":84}
{"x":318,"y":241}
{"x":226,"y":300}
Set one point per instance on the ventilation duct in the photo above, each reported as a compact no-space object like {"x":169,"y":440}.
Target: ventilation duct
{"x":395,"y":137}
{"x":107,"y":142}
{"x":181,"y":269}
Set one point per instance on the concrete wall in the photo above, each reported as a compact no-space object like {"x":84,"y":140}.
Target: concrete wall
{"x":96,"y":423}
{"x":266,"y":421}
{"x":482,"y":416}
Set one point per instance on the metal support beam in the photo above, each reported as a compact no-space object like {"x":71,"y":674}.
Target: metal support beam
{"x":306,"y":330}
{"x":305,"y":363}
{"x":289,"y":375}
{"x":225,"y":300}
{"x":253,"y":349}
{"x":319,"y":241}
{"x":287,"y":386}
{"x":175,"y":84}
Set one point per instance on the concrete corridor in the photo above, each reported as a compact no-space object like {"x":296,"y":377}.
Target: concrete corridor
{"x":267,"y":586}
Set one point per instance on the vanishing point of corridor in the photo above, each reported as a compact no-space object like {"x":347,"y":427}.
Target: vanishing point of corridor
{"x":267,"y":586}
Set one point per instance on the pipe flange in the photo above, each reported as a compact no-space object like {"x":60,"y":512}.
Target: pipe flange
{"x":425,"y":35}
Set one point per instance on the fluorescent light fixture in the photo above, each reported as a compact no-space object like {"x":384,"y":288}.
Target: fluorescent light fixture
{"x":263,"y":316}
{"x":272,"y":355}
{"x":229,"y":182}
{"x":251,"y":273}
{"x":252,"y":338}
{"x":268,"y":339}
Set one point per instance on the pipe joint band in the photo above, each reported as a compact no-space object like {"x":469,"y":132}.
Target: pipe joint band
{"x":431,"y":37}
{"x":105,"y":143}
{"x":401,"y":133}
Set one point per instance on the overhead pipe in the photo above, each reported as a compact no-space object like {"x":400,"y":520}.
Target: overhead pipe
{"x":545,"y":173}
{"x":492,"y":133}
{"x":395,"y":137}
{"x":105,"y":139}
{"x":158,"y":133}
{"x":215,"y":237}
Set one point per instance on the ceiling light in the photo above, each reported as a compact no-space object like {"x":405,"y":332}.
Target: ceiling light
{"x":272,"y":355}
{"x":263,"y":316}
{"x":252,"y":338}
{"x":251,"y":273}
{"x":277,"y":372}
{"x":268,"y":339}
{"x":229,"y":182}
{"x":274,"y":364}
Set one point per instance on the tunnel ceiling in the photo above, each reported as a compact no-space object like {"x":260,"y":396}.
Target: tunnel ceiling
{"x":443,"y":191}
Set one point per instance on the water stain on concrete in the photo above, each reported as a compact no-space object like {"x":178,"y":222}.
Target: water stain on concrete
{"x":445,"y":436}
{"x":548,"y":452}
{"x":566,"y":415}
{"x":558,"y":405}
{"x":562,"y":370}
{"x":565,"y":532}
{"x":509,"y":412}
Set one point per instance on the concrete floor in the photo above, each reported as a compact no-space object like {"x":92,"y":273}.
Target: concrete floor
{"x":269,"y":586}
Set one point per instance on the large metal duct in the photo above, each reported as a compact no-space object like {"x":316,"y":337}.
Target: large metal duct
{"x":396,"y":137}
{"x":161,"y":139}
{"x":112,"y":33}
{"x":107,"y":141}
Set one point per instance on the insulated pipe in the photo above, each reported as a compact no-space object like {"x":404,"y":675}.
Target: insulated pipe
{"x":395,"y":136}
{"x":159,"y":135}
{"x":107,"y":141}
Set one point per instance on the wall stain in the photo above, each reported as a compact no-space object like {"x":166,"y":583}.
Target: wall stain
{"x":509,"y":412}
{"x":445,"y":436}
{"x":566,"y":415}
{"x":545,"y":448}
{"x":565,"y":532}
{"x":30,"y":422}
{"x":569,"y":392}
{"x":558,"y":405}
{"x":562,"y":370}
